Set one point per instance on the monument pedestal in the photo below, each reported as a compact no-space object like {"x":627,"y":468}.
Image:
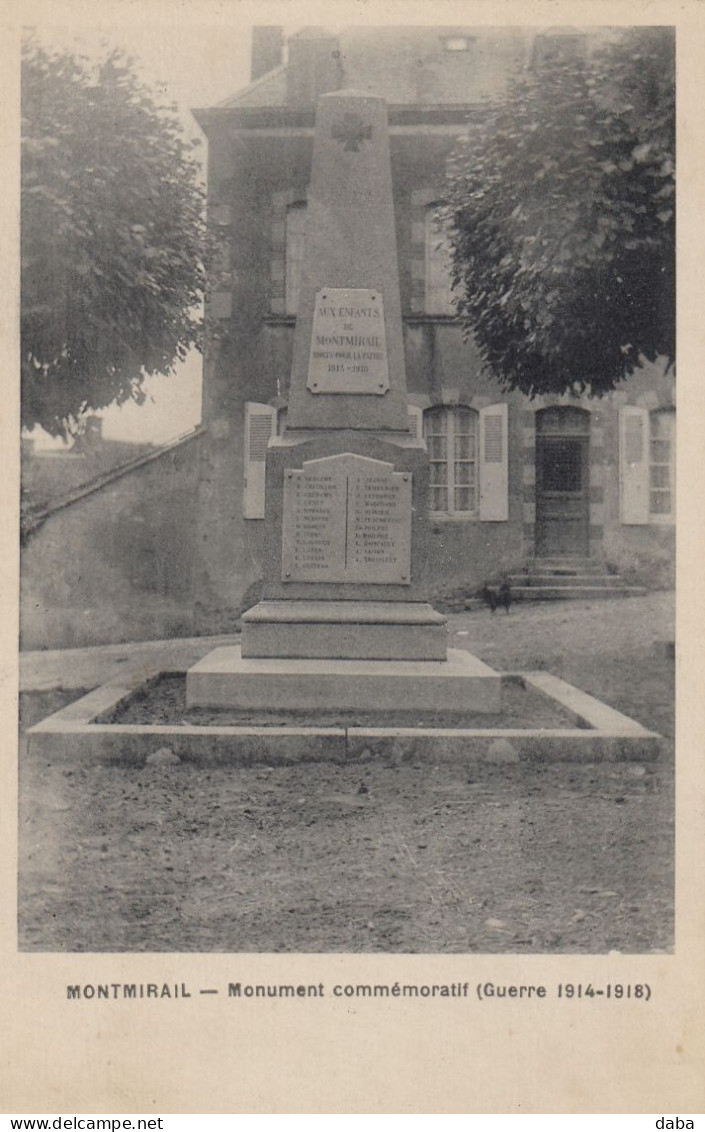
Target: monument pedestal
{"x":460,"y":683}
{"x":350,"y":630}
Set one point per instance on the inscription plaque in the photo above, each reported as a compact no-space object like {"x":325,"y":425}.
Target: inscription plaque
{"x":347,"y":518}
{"x":348,"y":342}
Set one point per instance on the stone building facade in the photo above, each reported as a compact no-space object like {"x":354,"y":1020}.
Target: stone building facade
{"x":512,"y":480}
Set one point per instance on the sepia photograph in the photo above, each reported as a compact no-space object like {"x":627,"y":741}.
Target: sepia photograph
{"x":353,"y":653}
{"x":348,"y":490}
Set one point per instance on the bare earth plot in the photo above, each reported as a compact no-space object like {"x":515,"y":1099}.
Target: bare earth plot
{"x":401,"y":858}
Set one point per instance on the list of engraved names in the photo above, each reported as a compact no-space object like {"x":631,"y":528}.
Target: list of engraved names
{"x":314,"y":506}
{"x":347,"y":519}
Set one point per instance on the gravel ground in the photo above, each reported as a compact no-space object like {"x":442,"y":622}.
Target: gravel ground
{"x":413,"y":858}
{"x":323,"y":858}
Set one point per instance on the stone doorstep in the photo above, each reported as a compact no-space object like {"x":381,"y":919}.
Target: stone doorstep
{"x":344,"y":630}
{"x":566,"y":592}
{"x":69,"y":734}
{"x":567,"y":564}
{"x":225,"y":678}
{"x":564,"y":579}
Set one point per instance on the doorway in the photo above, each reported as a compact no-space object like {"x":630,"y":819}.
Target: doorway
{"x":562,"y":482}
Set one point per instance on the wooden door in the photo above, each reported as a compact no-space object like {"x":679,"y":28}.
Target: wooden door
{"x":562,"y":483}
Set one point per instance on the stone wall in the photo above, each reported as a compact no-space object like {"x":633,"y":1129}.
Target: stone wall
{"x":118,"y":562}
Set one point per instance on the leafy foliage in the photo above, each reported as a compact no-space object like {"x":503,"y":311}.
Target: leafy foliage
{"x":561,"y":210}
{"x":114,"y":243}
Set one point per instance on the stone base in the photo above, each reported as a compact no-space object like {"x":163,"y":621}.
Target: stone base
{"x":224,"y":678}
{"x":344,"y":630}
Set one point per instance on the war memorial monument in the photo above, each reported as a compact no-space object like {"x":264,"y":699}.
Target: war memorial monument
{"x":345,"y":622}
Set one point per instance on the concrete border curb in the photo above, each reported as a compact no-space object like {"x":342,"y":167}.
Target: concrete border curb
{"x":601,"y":734}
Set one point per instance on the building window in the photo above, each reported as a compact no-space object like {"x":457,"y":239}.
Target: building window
{"x":295,"y":234}
{"x":439,"y":261}
{"x":662,"y":464}
{"x":451,"y":438}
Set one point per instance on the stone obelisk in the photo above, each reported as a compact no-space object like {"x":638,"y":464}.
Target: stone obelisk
{"x":348,"y":369}
{"x":345,"y":621}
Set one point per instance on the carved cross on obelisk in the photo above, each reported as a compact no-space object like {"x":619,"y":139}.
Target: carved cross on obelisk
{"x":351,"y":130}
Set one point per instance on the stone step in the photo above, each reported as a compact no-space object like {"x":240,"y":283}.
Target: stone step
{"x":546,"y":579}
{"x":567,"y":566}
{"x":225,"y":678}
{"x":574,"y":593}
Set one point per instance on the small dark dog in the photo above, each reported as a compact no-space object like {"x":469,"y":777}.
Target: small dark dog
{"x":495,"y":596}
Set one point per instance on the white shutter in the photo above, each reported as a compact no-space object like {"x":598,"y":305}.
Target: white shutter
{"x":634,"y":464}
{"x":260,"y":423}
{"x":415,"y":421}
{"x":494,"y":477}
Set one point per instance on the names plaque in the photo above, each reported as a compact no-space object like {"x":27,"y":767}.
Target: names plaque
{"x":347,"y":518}
{"x":348,"y":342}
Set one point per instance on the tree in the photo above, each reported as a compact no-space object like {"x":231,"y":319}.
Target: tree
{"x":561,"y":210}
{"x":114,"y":243}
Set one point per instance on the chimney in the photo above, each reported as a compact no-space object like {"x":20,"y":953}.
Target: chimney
{"x":314,"y":66}
{"x":267,"y":50}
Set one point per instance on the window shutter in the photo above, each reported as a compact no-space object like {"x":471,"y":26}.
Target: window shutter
{"x":634,"y":464}
{"x":415,"y":421}
{"x":494,"y":480}
{"x":260,"y":423}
